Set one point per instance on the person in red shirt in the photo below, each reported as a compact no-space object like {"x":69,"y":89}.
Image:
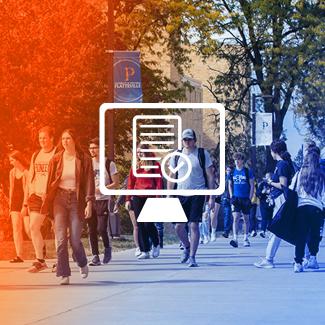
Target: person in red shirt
{"x":147,"y":230}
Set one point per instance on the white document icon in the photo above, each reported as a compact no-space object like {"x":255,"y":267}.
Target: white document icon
{"x":162,"y":133}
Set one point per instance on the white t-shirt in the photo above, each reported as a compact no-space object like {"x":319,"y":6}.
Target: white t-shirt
{"x":68,"y":178}
{"x":40,"y":171}
{"x":113,"y":171}
{"x":307,"y":199}
{"x":196,"y":180}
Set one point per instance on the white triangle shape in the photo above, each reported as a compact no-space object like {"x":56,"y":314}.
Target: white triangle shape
{"x":162,"y":210}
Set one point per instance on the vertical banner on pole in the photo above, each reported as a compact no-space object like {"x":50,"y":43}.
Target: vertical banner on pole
{"x":127,"y":77}
{"x":263,"y":129}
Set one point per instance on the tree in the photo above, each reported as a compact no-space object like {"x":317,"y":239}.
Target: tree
{"x":269,"y":48}
{"x":53,"y":64}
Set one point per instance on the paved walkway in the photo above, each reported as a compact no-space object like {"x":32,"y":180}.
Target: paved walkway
{"x":225,"y":289}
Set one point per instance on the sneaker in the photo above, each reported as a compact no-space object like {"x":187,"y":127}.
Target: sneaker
{"x":37,"y":267}
{"x":297,"y":268}
{"x":84,"y":271}
{"x":16,"y":260}
{"x":246,"y":243}
{"x":225,"y":234}
{"x":304,"y":262}
{"x":155,"y":251}
{"x":234,"y":243}
{"x":137,"y":252}
{"x":181,"y":247}
{"x":253,"y":233}
{"x":206,"y":240}
{"x":312,"y":263}
{"x":201,"y":240}
{"x":144,"y":256}
{"x":107,"y":255}
{"x":54,"y":268}
{"x":95,"y":261}
{"x":65,"y":280}
{"x":264,"y":264}
{"x":192,"y":262}
{"x":213,"y":236}
{"x":185,"y":255}
{"x":262,"y":234}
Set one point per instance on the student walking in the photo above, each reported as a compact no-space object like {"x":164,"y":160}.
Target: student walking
{"x":201,"y":177}
{"x":226,"y":206}
{"x":282,"y":176}
{"x":121,"y":201}
{"x":310,"y":187}
{"x":146,"y":230}
{"x":266,"y":203}
{"x":241,"y":189}
{"x":69,"y":198}
{"x":37,"y":180}
{"x":99,"y":220}
{"x":18,"y":176}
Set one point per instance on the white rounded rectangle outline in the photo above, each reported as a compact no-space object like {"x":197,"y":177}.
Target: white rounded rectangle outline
{"x":106,"y":106}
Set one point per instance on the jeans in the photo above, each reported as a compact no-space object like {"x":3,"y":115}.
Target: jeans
{"x":252,"y":218}
{"x":205,"y":224}
{"x":97,"y":224}
{"x":66,"y":217}
{"x":309,"y":222}
{"x":160,"y":228}
{"x":146,"y":229}
{"x":227,"y":216}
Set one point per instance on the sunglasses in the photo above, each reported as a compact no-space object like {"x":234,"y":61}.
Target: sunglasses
{"x":187,"y":139}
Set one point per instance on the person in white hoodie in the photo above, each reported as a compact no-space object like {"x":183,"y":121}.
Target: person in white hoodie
{"x":311,"y":202}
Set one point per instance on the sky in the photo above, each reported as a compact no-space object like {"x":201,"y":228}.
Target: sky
{"x":295,"y":140}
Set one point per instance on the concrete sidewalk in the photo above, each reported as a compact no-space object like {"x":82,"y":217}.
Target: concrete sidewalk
{"x":225,"y":289}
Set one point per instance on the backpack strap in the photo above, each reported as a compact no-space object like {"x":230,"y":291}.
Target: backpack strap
{"x":176,"y":162}
{"x":108,"y":169}
{"x":247,"y":177}
{"x":201,"y":157}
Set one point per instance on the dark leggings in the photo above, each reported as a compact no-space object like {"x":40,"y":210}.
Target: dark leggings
{"x":146,"y":229}
{"x":309,"y":221}
{"x":97,"y":225}
{"x":266,"y":214}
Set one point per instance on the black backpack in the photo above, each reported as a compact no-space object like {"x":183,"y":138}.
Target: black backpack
{"x":201,"y":157}
{"x":107,"y":166}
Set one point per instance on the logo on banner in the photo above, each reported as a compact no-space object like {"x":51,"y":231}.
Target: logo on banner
{"x":263,"y":129}
{"x":127,"y":77}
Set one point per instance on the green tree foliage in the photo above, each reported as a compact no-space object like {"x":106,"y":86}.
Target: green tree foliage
{"x":54,"y":64}
{"x":274,"y":48}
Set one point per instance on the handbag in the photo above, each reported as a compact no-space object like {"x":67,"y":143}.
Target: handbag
{"x":284,"y":222}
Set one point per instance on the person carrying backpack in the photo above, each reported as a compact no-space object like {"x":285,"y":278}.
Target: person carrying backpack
{"x":201,"y":177}
{"x":282,"y":176}
{"x":241,"y":189}
{"x":99,"y":220}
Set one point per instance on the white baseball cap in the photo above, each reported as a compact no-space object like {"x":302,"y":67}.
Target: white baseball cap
{"x":188,"y":134}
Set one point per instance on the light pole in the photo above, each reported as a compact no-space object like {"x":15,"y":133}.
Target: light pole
{"x":110,"y":79}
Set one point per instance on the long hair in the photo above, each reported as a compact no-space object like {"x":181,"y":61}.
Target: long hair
{"x":280,"y":147}
{"x":312,"y":177}
{"x":74,"y":137}
{"x":17,"y":155}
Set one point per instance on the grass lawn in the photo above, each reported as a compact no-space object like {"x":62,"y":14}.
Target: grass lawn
{"x":7,"y":248}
